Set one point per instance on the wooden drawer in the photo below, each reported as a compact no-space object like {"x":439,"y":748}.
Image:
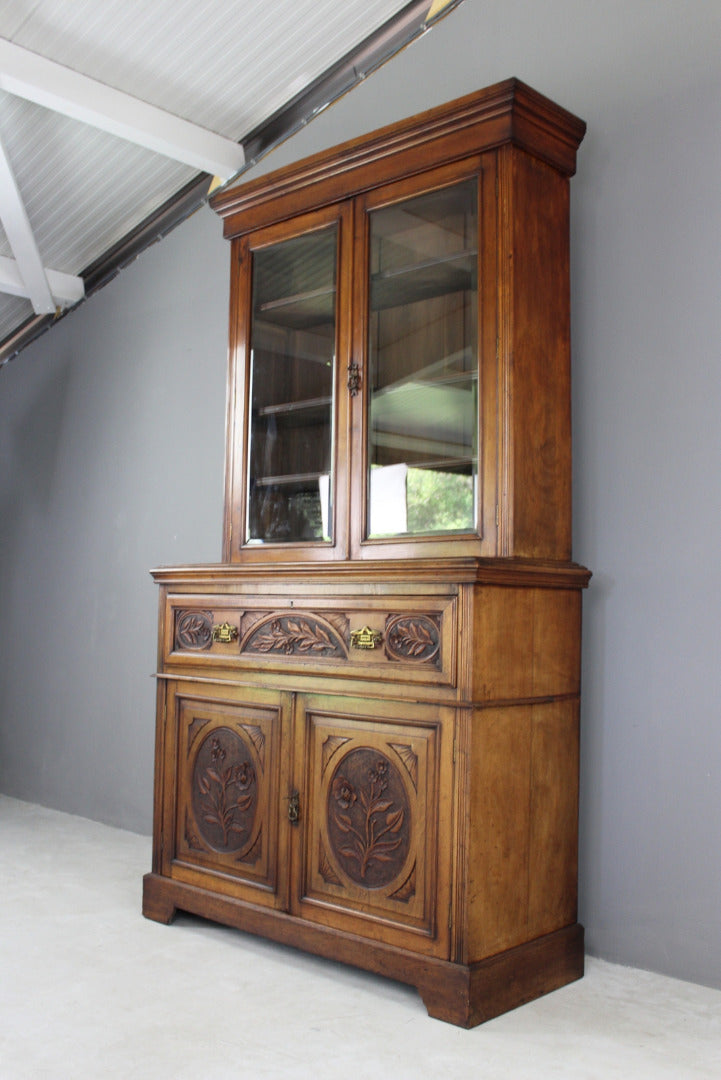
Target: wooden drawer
{"x":411,"y":639}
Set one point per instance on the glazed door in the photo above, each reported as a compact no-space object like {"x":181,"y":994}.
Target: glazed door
{"x":371,"y":852}
{"x":288,"y":459}
{"x":420,"y":418}
{"x":223,"y":764}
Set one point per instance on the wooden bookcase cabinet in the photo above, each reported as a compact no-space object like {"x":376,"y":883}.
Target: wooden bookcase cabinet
{"x":367,"y":725}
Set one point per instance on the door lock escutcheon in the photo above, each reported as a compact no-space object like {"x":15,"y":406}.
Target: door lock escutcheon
{"x":294,"y":808}
{"x":353,"y":378}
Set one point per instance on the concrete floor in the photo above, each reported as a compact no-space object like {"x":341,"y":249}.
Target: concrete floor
{"x":89,"y":990}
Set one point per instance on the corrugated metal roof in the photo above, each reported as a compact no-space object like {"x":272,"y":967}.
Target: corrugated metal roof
{"x":225,"y":66}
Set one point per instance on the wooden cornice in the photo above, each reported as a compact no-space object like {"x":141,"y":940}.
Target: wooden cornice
{"x":507,"y":113}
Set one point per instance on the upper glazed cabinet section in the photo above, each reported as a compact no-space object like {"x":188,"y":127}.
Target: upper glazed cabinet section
{"x":399,"y":347}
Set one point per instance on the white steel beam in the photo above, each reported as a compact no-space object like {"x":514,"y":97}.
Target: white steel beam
{"x":66,"y":289}
{"x":20,"y":237}
{"x":28,"y":75}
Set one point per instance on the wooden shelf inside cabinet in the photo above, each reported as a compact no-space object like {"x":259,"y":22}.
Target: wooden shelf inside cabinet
{"x":455,"y":368}
{"x":368,"y":714}
{"x":301,"y":311}
{"x":311,"y":404}
{"x":301,"y":414}
{"x":423,"y":281}
{"x":438,"y":463}
{"x":301,"y":479}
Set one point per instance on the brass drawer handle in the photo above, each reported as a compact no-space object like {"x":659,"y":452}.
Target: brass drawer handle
{"x":225,"y":633}
{"x":365,"y":638}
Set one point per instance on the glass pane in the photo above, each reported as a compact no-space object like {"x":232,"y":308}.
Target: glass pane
{"x":423,"y":365}
{"x":290,"y":486}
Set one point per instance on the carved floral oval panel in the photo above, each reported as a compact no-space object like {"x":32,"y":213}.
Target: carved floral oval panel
{"x":412,"y":637}
{"x":369,"y":819}
{"x":193,"y":630}
{"x":225,"y":791}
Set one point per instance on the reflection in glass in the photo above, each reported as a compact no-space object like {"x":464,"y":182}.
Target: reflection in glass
{"x":290,"y":487}
{"x":423,"y":365}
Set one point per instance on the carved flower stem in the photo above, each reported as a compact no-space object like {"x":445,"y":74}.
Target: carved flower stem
{"x":373,"y":807}
{"x":366,"y":844}
{"x":220,"y":807}
{"x":371,"y":843}
{"x":225,"y":811}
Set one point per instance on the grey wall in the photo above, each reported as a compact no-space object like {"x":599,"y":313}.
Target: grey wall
{"x":112,"y":443}
{"x":111,"y":433}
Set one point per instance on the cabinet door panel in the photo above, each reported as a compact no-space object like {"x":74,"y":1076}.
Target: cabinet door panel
{"x":426,"y":433}
{"x":287,"y":462}
{"x":225,"y":768}
{"x":375,"y":826}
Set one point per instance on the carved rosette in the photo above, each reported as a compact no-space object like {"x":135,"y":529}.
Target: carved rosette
{"x":224,"y":795}
{"x":193,"y":630}
{"x":413,"y":637}
{"x":368,"y":820}
{"x":294,"y":634}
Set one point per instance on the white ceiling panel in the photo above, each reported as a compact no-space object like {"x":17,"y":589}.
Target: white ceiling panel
{"x":226,"y":67}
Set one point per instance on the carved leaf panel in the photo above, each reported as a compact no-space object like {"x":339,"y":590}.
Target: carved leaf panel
{"x":368,"y":818}
{"x":295,"y":634}
{"x":224,"y":792}
{"x":193,"y":630}
{"x":414,"y":638}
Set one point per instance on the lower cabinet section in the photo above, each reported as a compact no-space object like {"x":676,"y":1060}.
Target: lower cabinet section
{"x":431,"y":843}
{"x":424,"y":832}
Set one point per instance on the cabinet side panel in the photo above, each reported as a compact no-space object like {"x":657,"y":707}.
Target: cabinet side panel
{"x":536,"y":356}
{"x":526,"y":643}
{"x":499,"y":830}
{"x":554,"y":818}
{"x":522,"y":865}
{"x":503,"y":644}
{"x":556,"y":642}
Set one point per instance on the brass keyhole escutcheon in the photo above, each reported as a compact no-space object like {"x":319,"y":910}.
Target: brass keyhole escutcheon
{"x":294,"y":808}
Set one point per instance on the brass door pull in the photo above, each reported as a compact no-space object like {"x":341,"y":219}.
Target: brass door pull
{"x":225,"y":633}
